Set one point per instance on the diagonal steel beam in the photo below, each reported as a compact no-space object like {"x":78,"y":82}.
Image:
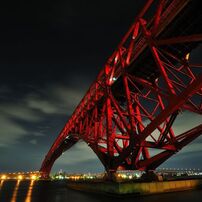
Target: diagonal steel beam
{"x":175,"y":103}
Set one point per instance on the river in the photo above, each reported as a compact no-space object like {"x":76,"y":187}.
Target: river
{"x":56,"y":191}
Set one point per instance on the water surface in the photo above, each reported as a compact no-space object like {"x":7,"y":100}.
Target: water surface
{"x":57,"y":191}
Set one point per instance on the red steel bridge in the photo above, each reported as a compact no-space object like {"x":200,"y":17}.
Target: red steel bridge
{"x":131,"y":106}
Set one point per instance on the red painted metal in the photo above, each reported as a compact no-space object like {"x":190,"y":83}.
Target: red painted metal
{"x":133,"y":103}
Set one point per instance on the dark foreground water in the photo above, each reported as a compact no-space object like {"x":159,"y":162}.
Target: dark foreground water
{"x":47,"y":191}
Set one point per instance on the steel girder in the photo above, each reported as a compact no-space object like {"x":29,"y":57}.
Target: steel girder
{"x":145,"y":84}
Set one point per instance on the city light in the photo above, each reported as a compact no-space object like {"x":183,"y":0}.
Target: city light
{"x":129,"y":175}
{"x":33,"y":177}
{"x":3,"y":177}
{"x":20,"y":177}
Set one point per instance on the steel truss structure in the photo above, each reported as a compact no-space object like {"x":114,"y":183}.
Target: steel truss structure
{"x":147,"y":82}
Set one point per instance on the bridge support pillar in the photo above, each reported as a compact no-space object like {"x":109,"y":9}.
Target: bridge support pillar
{"x":150,"y":175}
{"x":110,"y":175}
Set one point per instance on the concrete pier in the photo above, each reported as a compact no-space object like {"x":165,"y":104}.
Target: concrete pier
{"x":137,"y":188}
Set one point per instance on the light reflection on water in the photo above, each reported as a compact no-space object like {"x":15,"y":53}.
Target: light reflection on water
{"x":1,"y":183}
{"x":16,"y":190}
{"x":13,"y":199}
{"x":29,"y":192}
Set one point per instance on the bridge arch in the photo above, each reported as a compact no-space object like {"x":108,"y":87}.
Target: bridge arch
{"x":139,"y":93}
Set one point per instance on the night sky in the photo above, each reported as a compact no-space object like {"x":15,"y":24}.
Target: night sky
{"x":50,"y":53}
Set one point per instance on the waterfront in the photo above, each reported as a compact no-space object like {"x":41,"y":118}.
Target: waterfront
{"x":57,"y":191}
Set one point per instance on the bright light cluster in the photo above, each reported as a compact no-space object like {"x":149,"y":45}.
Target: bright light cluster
{"x":20,"y":177}
{"x":33,"y":177}
{"x":3,"y":177}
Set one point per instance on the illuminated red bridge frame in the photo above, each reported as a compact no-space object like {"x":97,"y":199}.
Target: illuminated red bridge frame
{"x":134,"y":101}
